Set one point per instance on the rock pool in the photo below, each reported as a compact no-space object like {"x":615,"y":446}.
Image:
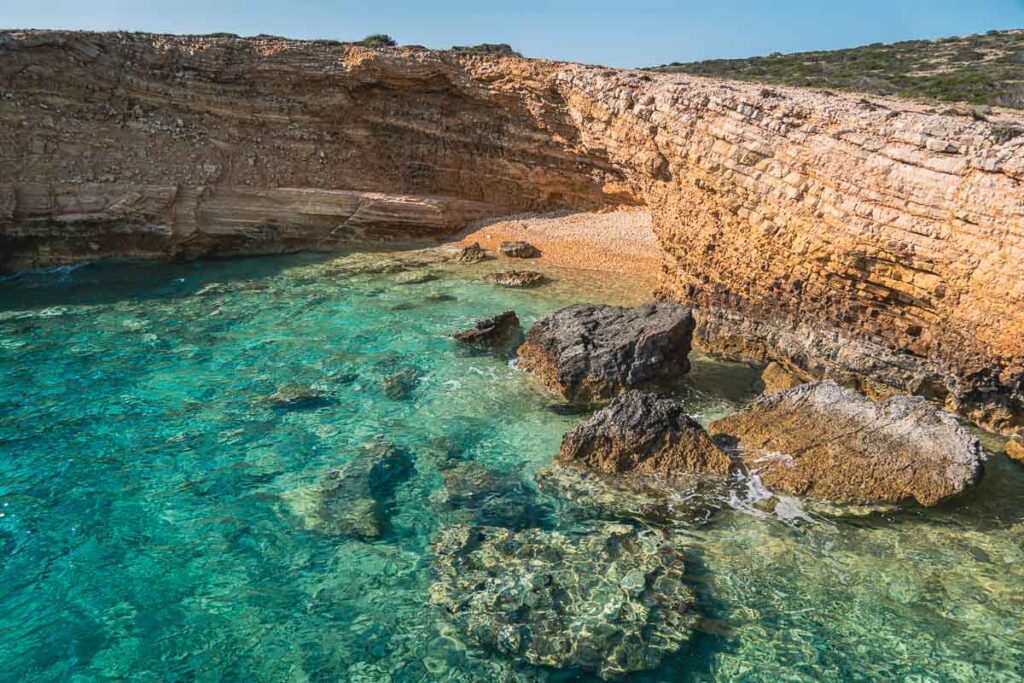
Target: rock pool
{"x":162,"y":428}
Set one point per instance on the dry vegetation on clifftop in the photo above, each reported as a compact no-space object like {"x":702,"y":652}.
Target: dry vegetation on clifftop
{"x":898,"y":227}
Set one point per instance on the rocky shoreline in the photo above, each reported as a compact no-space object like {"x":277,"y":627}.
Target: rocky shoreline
{"x":878,"y":224}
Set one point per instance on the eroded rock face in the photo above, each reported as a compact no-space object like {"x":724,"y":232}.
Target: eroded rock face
{"x":518,"y":278}
{"x":590,"y":353}
{"x":352,"y":500}
{"x":831,"y":443}
{"x":518,"y":249}
{"x":611,"y":601}
{"x":497,"y":331}
{"x":640,"y":432}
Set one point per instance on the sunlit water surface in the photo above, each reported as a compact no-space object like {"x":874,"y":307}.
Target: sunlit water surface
{"x":144,"y":532}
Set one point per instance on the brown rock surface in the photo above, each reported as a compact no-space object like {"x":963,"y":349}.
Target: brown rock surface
{"x":899,"y":227}
{"x":1015,"y":448}
{"x":831,"y":443}
{"x":777,"y":378}
{"x":518,"y":249}
{"x":518,"y":278}
{"x":640,"y":432}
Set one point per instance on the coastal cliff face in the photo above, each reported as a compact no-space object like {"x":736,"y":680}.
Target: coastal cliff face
{"x":830,"y":232}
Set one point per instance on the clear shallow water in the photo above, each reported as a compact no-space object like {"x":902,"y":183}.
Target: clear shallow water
{"x":144,"y":479}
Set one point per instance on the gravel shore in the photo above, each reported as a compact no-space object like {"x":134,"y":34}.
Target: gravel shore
{"x":620,"y":241}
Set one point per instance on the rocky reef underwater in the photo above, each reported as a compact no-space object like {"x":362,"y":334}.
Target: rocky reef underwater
{"x":432,"y":466}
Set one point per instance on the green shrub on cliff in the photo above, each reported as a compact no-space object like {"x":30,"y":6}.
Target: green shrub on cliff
{"x":980,"y":69}
{"x":503,"y":49}
{"x":377,"y":40}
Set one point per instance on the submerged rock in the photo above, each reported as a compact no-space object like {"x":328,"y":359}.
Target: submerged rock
{"x":352,"y":500}
{"x":519,"y":249}
{"x":1015,"y":448}
{"x":498,"y":330}
{"x":590,"y":353}
{"x":400,"y":385}
{"x":683,"y":501}
{"x":521,"y":279}
{"x":611,"y":601}
{"x":472,"y":253}
{"x":640,"y":432}
{"x":414,"y":277}
{"x":297,"y":397}
{"x":475,"y":493}
{"x":831,"y":443}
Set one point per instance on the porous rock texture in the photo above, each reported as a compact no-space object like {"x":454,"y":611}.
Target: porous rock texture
{"x":611,"y":601}
{"x":899,"y":227}
{"x":589,"y":353}
{"x":641,"y":432}
{"x":831,"y":443}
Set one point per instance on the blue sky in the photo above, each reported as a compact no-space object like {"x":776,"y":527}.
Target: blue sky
{"x":612,"y":32}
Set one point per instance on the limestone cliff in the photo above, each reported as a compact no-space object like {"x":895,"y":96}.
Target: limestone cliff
{"x":786,"y":210}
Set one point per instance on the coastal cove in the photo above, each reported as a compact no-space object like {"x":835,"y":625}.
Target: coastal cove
{"x":167,"y":502}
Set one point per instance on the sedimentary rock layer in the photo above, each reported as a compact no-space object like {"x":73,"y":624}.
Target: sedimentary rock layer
{"x":896,"y":225}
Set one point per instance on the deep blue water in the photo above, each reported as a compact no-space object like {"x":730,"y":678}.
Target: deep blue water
{"x":149,"y":528}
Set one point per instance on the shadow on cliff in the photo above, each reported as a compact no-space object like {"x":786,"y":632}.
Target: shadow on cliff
{"x":112,"y":281}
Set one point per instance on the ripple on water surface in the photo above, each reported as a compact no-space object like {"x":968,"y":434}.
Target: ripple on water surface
{"x":156,"y":423}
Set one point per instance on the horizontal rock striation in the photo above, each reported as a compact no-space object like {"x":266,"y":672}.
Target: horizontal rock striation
{"x":880,"y":220}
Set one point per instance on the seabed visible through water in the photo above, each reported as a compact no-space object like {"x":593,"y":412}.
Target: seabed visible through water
{"x":145,"y":479}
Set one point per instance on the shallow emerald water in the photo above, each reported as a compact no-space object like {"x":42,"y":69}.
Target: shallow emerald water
{"x":144,"y":478}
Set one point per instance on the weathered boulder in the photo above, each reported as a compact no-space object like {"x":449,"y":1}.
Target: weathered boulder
{"x":518,"y":278}
{"x":590,"y":353}
{"x":1015,"y":448}
{"x":414,"y":277}
{"x":518,"y":249}
{"x":498,"y":330}
{"x":472,"y":253}
{"x":352,"y":500}
{"x":640,"y":432}
{"x":610,"y":601}
{"x":834,"y":444}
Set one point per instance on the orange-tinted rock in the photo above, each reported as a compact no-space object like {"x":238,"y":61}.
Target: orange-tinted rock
{"x":831,"y":443}
{"x":1015,"y":448}
{"x":777,"y":378}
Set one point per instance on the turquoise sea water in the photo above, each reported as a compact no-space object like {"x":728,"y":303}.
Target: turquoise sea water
{"x":148,"y":531}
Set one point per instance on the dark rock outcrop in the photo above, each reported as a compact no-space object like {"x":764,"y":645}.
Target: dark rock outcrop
{"x":611,"y":601}
{"x":518,"y":278}
{"x":640,"y":432}
{"x":353,"y":499}
{"x":472,"y":253}
{"x":831,"y":443}
{"x":590,"y":353}
{"x":518,"y":249}
{"x":496,"y":331}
